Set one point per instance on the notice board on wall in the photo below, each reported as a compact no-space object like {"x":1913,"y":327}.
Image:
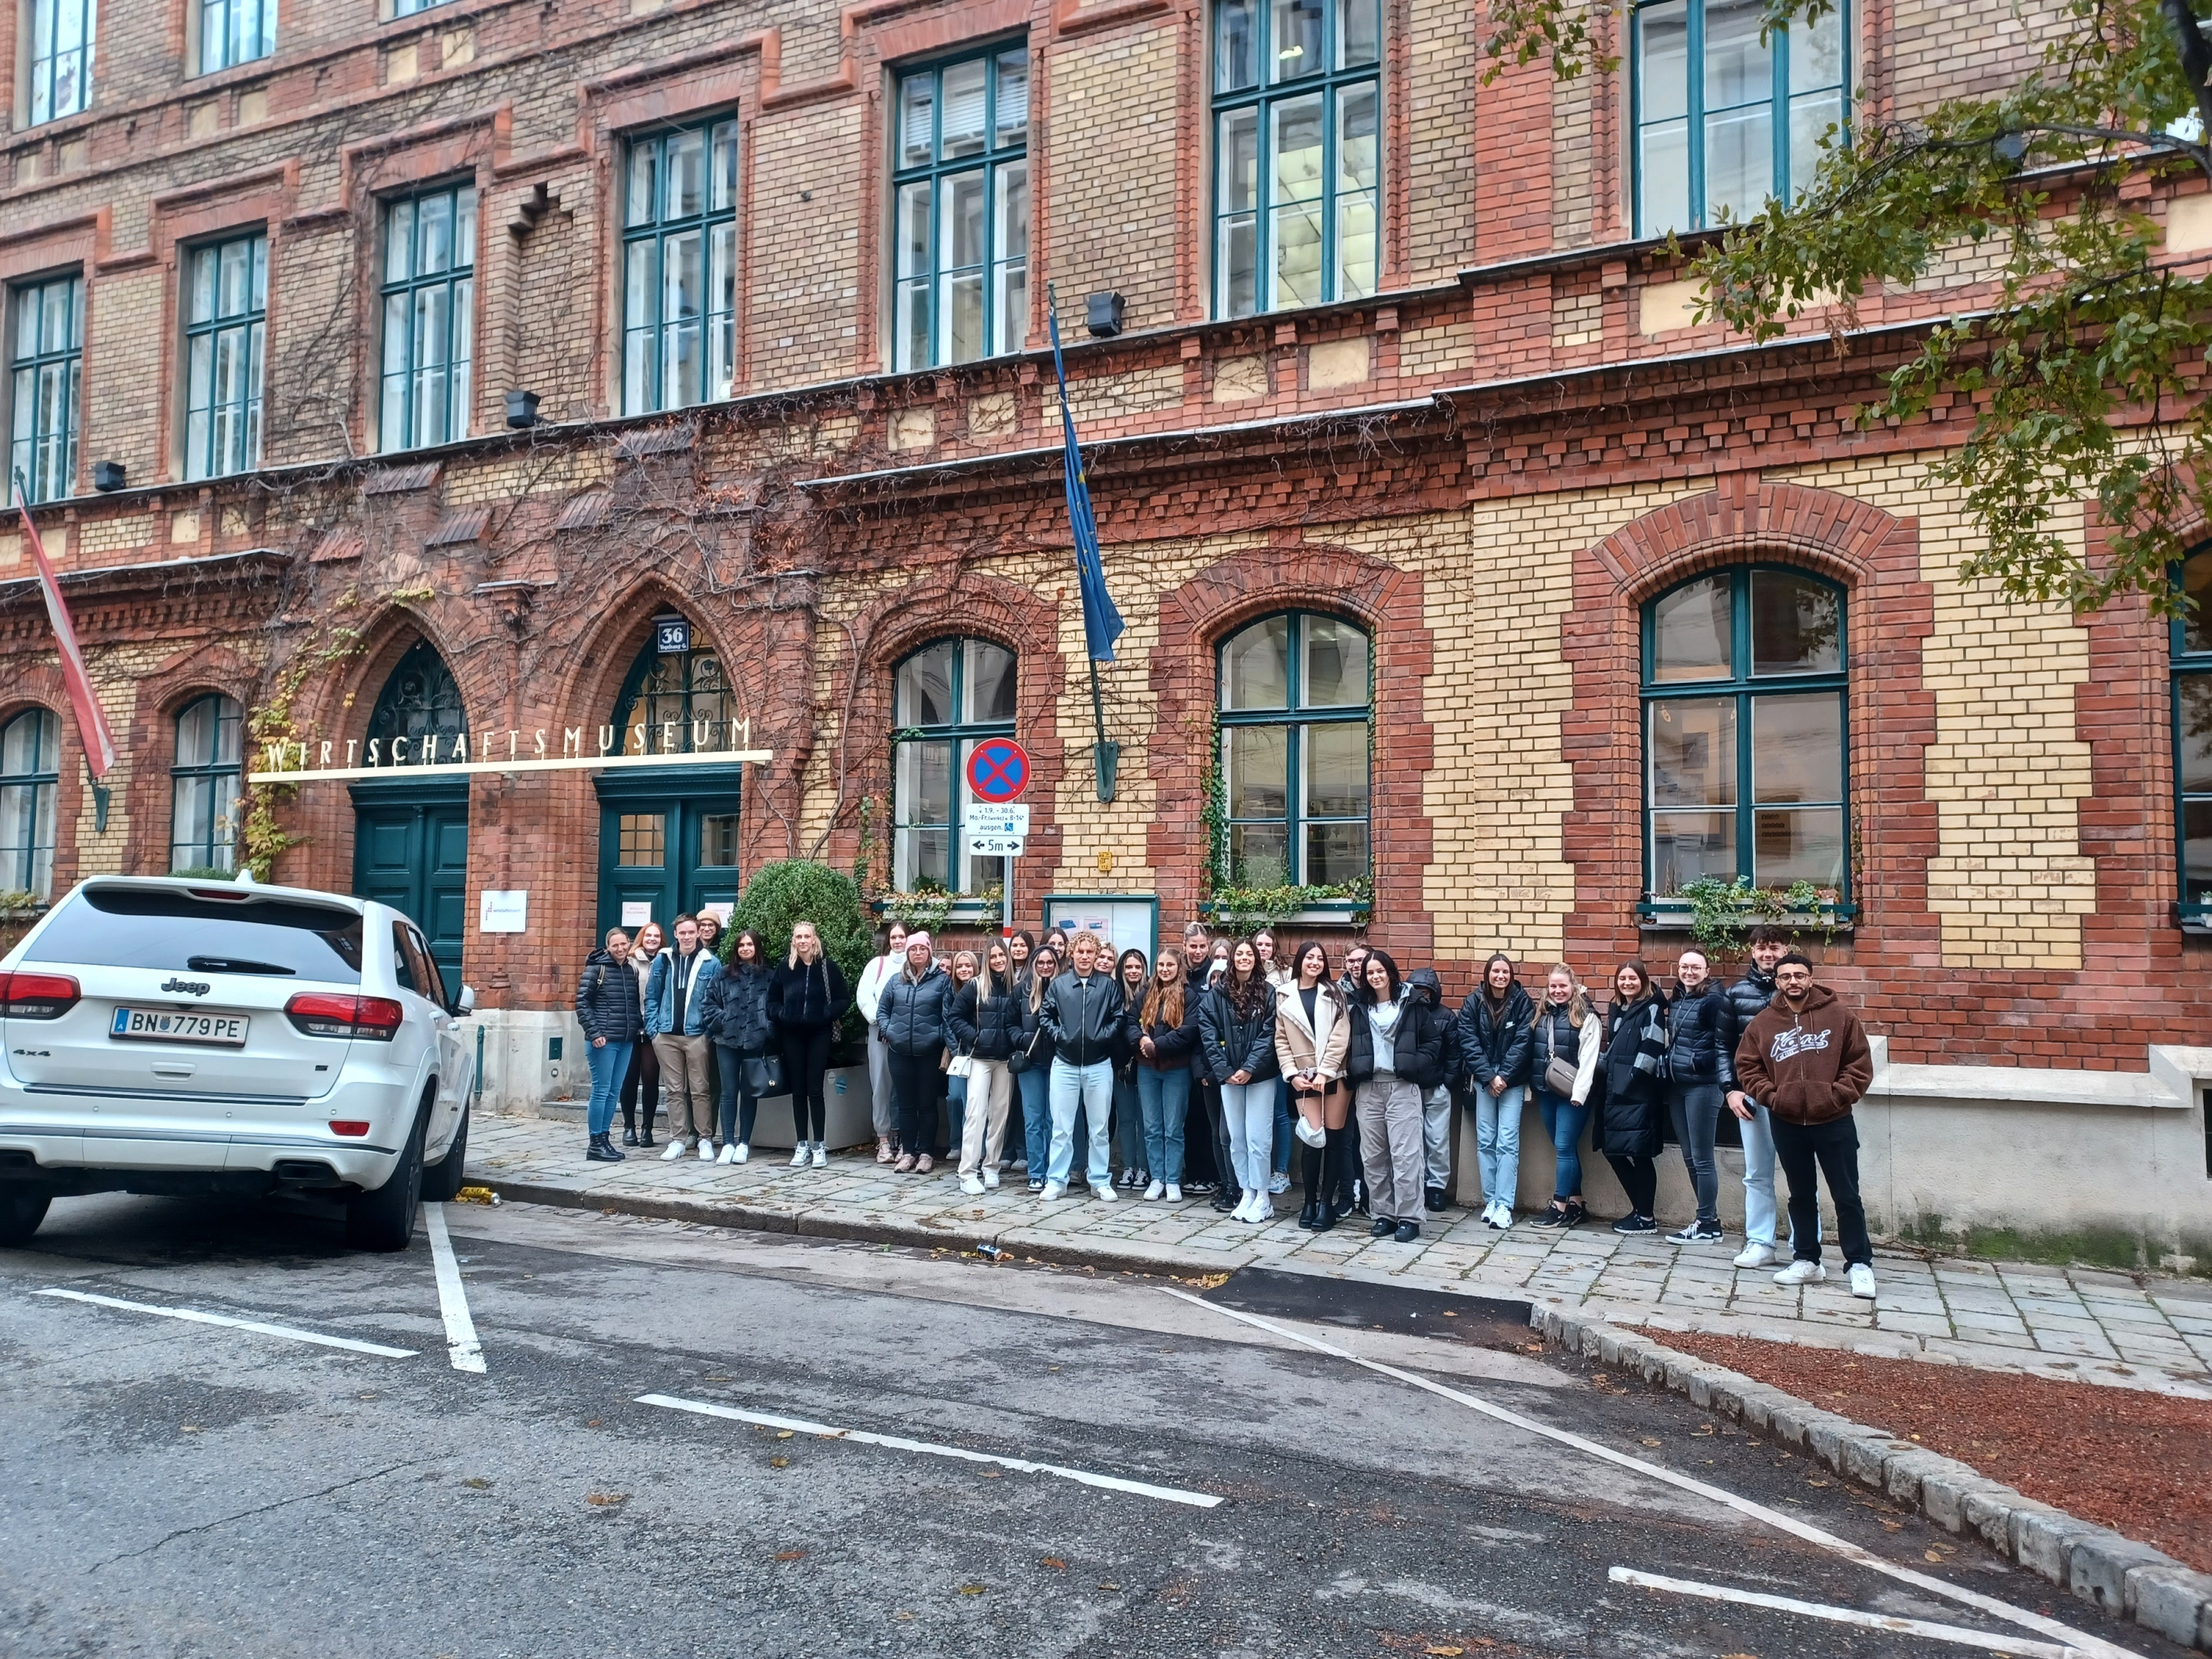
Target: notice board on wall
{"x":1121,"y":919}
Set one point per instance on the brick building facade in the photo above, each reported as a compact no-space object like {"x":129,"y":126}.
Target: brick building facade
{"x":1482,"y":429}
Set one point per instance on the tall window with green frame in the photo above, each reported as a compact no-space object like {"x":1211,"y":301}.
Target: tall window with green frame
{"x":61,"y":58}
{"x":1296,"y":699}
{"x":48,"y":367}
{"x":429,"y":314}
{"x":680,"y":267}
{"x":1745,"y":732}
{"x":226,"y":330}
{"x":1297,"y":170}
{"x":204,"y":786}
{"x":2192,"y":735}
{"x":946,"y":698}
{"x":1724,"y":119}
{"x":235,"y":32}
{"x":961,"y":180}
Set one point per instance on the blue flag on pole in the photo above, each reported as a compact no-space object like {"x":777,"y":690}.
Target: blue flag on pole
{"x":1102,"y":623}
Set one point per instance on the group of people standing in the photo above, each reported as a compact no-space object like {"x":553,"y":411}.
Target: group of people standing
{"x":1204,"y":1071}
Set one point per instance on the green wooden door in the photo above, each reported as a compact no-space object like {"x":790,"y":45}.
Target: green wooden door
{"x":668,"y":841}
{"x":410,"y":850}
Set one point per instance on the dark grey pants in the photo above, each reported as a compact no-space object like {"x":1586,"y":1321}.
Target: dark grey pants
{"x":1697,"y":1109}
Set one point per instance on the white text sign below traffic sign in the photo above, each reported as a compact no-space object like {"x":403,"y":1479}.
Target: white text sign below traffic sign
{"x":994,"y":847}
{"x":981,"y":820}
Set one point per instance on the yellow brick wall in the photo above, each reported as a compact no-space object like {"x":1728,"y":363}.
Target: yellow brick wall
{"x":1113,"y":181}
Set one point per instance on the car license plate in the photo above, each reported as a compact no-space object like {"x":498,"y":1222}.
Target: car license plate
{"x":179,"y":1026}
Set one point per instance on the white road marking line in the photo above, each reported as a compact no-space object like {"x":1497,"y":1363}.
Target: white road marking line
{"x":1202,"y":1500}
{"x":193,"y":1315}
{"x":2078,"y":1643}
{"x":452,"y":1301}
{"x":1934,"y":1632}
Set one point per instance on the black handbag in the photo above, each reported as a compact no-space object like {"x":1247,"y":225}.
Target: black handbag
{"x":1024,"y":1057}
{"x":763,"y":1075}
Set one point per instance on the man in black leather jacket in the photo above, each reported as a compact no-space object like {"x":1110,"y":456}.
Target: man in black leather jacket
{"x":1085,"y":1016}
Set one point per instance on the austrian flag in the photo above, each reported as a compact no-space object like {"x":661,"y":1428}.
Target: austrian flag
{"x":91,"y":721}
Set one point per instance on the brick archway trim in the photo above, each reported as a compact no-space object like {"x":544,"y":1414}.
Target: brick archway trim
{"x":1740,"y":519}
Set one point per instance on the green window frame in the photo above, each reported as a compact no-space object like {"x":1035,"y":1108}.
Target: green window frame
{"x":1298,"y":152}
{"x":2190,"y":637}
{"x":946,"y":697}
{"x":1296,"y":699}
{"x":30,"y":784}
{"x":429,"y":316}
{"x":226,"y":342}
{"x":61,"y":58}
{"x":235,"y":32}
{"x":48,"y":370}
{"x":203,"y":784}
{"x":1746,"y":732}
{"x":1747,"y":124}
{"x":960,"y":196}
{"x":680,"y":266}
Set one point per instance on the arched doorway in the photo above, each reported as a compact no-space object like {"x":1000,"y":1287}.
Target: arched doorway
{"x":668,"y":835}
{"x":410,"y":844}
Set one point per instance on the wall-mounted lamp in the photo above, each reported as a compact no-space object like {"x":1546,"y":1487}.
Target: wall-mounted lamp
{"x":521,"y":409}
{"x":1102,"y":314}
{"x":107,"y":474}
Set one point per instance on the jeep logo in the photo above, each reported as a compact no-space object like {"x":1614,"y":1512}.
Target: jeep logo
{"x":198,"y":987}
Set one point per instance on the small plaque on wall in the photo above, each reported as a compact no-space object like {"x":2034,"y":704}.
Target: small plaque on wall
{"x":503,"y":910}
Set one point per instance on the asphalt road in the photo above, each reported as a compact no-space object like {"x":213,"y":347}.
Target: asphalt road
{"x":176,"y":1488}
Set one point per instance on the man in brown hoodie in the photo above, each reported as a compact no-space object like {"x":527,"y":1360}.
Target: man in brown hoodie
{"x":1806,"y":1060}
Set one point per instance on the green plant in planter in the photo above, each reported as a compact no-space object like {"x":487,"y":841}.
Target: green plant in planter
{"x":792,"y":891}
{"x":1247,"y":908}
{"x":15,"y":901}
{"x":1723,"y":912}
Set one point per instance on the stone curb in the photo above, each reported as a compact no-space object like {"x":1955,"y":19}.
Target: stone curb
{"x":2122,"y":1576}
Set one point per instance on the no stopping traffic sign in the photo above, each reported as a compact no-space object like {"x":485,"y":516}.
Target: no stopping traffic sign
{"x":997,"y":770}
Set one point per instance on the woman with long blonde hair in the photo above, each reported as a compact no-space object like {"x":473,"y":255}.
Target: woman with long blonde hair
{"x":807,"y":998}
{"x":1569,"y":1037}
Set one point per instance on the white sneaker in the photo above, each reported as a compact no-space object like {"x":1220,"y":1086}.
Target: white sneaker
{"x":798,"y":1155}
{"x":1104,"y":1189}
{"x":744,"y":1151}
{"x":706,"y":1150}
{"x":675,"y":1151}
{"x":1279,"y":1183}
{"x":1262,"y":1210}
{"x":1861,"y":1278}
{"x":1504,"y":1219}
{"x":728,"y":1154}
{"x":1152,"y":1192}
{"x":1755,"y":1254}
{"x":1054,"y":1190}
{"x":1802,"y":1272}
{"x":821,"y":1158}
{"x":971,"y":1185}
{"x":1175,"y":1193}
{"x":991,"y":1181}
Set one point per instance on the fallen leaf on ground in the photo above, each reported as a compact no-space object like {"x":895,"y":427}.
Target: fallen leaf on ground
{"x":778,"y":1463}
{"x":1055,"y":1563}
{"x":478,"y":1482}
{"x":1444,"y":1652}
{"x":606,"y":1500}
{"x":784,"y":1434}
{"x":1930,"y":1555}
{"x":790,"y":1555}
{"x":1108,"y":1587}
{"x":971,"y":1589}
{"x":1651,"y":1442}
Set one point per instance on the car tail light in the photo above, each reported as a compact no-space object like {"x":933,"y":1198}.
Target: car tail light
{"x":348,"y":1127}
{"x":333,"y":1014}
{"x":36,"y":996}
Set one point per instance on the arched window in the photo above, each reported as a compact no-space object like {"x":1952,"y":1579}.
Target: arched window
{"x":419,"y":717}
{"x":1296,"y":693}
{"x":675,"y":702}
{"x":2192,"y":736}
{"x":1744,"y":731}
{"x":30,"y":779}
{"x":948,"y":696}
{"x":204,"y":786}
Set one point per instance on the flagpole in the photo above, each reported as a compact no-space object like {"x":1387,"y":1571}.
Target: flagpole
{"x":1105,"y":757}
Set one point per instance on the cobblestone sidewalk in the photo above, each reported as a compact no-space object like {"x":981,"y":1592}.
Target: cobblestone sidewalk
{"x":2072,"y":1324}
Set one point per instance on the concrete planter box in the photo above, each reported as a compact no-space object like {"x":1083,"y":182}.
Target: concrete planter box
{"x":848,"y":1114}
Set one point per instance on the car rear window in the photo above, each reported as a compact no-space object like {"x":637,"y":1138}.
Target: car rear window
{"x":178,"y":929}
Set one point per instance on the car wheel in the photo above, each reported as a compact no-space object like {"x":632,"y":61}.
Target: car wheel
{"x":442,"y":1180}
{"x":385,"y":1219}
{"x":20,"y":1216}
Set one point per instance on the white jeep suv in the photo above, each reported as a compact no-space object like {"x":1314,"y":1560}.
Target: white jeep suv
{"x":168,"y":1036}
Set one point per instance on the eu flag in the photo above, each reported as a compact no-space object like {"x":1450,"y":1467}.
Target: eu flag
{"x":1102,"y":623}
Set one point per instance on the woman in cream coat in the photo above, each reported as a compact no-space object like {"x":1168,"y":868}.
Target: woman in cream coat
{"x":1312,"y":1031}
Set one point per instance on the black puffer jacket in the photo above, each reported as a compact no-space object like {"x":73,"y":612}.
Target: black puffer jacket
{"x":1174,"y":1047}
{"x":1746,"y":1000}
{"x":810,"y":995}
{"x":607,"y":1000}
{"x":734,"y":1010}
{"x":1492,"y":1044}
{"x":1427,"y":984}
{"x":1033,"y":1049}
{"x":987,"y":1031}
{"x":1417,"y":1048}
{"x":911,"y":1016}
{"x":1229,"y":1041}
{"x":1634,"y":1117}
{"x":1699,"y":1052}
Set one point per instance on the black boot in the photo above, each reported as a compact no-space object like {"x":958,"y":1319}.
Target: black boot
{"x":1310,"y":1161}
{"x":602,"y":1150}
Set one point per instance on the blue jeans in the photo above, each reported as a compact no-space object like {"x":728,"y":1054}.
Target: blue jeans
{"x":956,"y":1109}
{"x":1129,"y":1124}
{"x":609,"y":1061}
{"x":1035,"y":1086}
{"x":1165,"y":1096}
{"x":738,"y":1106}
{"x":1564,"y":1121}
{"x":1285,"y":1120}
{"x":1089,"y":1089}
{"x":1498,"y":1140}
{"x":1250,"y":1111}
{"x":1760,"y":1216}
